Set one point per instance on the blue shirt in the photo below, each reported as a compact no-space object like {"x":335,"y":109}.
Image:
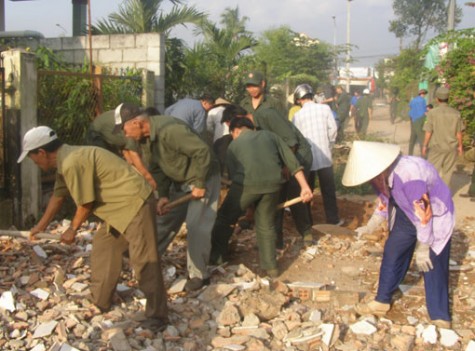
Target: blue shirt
{"x":417,"y":107}
{"x":191,"y":112}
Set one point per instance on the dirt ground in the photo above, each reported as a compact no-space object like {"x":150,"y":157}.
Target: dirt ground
{"x":339,"y":262}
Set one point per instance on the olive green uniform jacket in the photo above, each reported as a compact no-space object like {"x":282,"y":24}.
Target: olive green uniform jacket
{"x":100,"y":134}
{"x":178,"y":154}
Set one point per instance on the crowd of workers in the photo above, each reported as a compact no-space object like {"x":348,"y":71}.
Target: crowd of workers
{"x":265,"y":155}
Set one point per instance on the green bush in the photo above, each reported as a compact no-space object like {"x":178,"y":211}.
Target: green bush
{"x":67,"y":101}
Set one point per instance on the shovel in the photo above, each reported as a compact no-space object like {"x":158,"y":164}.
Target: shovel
{"x":178,"y":202}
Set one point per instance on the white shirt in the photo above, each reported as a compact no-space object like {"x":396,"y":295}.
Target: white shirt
{"x":318,"y":126}
{"x":214,"y":125}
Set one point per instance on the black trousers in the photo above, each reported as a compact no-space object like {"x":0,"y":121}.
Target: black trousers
{"x":301,"y":212}
{"x":326,"y":180}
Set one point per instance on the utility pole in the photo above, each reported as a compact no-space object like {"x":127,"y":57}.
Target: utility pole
{"x":335,"y":59}
{"x":451,"y":15}
{"x":348,"y":46}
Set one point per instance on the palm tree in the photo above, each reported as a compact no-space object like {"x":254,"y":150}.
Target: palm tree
{"x":145,"y":16}
{"x":229,"y":43}
{"x":224,"y":47}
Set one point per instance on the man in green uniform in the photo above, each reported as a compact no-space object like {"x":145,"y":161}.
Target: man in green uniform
{"x":102,"y":183}
{"x":179,"y":155}
{"x":443,"y":136}
{"x":257,"y":97}
{"x":255,"y":160}
{"x":364,"y":106}
{"x":100,"y":134}
{"x":343,"y":111}
{"x":270,"y":119}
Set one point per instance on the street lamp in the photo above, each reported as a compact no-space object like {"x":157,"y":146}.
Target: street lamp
{"x":62,"y":28}
{"x":348,"y":46}
{"x":335,"y":59}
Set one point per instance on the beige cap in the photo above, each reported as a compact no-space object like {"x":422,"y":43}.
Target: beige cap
{"x":368,"y":159}
{"x":442,"y":93}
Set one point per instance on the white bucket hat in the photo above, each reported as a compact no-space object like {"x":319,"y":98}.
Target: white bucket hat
{"x":367,"y":160}
{"x":35,"y":138}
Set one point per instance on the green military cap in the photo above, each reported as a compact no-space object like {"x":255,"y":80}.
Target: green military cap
{"x":254,"y":78}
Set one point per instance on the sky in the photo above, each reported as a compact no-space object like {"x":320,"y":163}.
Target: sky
{"x":325,"y":20}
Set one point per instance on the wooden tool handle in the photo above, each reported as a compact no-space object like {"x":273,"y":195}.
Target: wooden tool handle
{"x":289,"y":203}
{"x":178,"y":202}
{"x":26,"y":234}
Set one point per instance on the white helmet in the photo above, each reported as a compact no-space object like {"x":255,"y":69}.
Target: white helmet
{"x":301,"y":91}
{"x":367,"y":160}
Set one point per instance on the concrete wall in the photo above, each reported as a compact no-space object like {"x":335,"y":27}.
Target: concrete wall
{"x":141,"y":51}
{"x":21,"y":103}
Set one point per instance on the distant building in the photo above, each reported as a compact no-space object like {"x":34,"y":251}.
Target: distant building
{"x":360,"y":78}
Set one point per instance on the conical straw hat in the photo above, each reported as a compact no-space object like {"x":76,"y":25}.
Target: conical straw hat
{"x":367,"y":160}
{"x":220,"y":101}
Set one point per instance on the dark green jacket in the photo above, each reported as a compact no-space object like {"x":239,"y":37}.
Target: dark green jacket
{"x":363,"y":104}
{"x":178,"y":154}
{"x":100,"y":134}
{"x":343,"y":103}
{"x":267,"y":102}
{"x":255,"y":160}
{"x":268,"y":119}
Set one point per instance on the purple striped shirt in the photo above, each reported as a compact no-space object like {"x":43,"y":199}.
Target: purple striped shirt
{"x":410,"y":178}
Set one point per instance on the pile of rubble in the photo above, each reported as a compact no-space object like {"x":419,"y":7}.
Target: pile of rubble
{"x":44,"y":304}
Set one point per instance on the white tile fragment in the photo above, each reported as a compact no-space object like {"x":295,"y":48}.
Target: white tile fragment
{"x":430,"y":334}
{"x":448,"y":337}
{"x":39,"y":251}
{"x":470,"y":346}
{"x":44,"y":329}
{"x":327,"y":329}
{"x":234,"y":347}
{"x":66,"y":347}
{"x":7,"y":302}
{"x":79,"y":286}
{"x":39,"y":347}
{"x":363,"y":327}
{"x":40,"y":293}
{"x":177,"y":286}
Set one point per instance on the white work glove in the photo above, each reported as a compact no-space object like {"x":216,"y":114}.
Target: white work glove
{"x":422,"y":255}
{"x":374,"y":222}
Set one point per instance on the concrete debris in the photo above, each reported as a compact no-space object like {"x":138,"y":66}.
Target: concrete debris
{"x":470,"y":346}
{"x":39,"y":251}
{"x":7,"y":302}
{"x":40,"y":293}
{"x":429,"y":335}
{"x":363,"y":327}
{"x":44,"y":303}
{"x":44,"y":329}
{"x":448,"y":337}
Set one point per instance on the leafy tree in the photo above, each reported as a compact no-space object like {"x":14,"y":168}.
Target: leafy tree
{"x":457,"y":70}
{"x":406,"y":71}
{"x":68,"y":102}
{"x":414,"y":18}
{"x":290,"y":56}
{"x":175,"y":70}
{"x":213,"y":63}
{"x":145,"y":16}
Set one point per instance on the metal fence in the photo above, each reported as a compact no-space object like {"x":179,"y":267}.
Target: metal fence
{"x":69,"y":101}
